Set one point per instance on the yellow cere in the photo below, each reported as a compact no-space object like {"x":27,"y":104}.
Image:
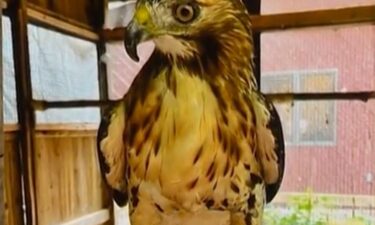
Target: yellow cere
{"x":142,"y":15}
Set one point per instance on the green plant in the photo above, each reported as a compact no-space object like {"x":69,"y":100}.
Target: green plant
{"x":299,"y":211}
{"x":307,"y":209}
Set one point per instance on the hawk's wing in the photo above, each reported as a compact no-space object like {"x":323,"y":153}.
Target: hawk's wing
{"x":275,"y":125}
{"x":270,"y":150}
{"x":111,"y":151}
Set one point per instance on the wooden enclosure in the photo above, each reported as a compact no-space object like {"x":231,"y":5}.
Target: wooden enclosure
{"x":51,"y":170}
{"x":67,"y":175}
{"x":12,"y":170}
{"x":51,"y":173}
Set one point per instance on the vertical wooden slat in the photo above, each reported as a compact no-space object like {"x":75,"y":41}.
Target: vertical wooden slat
{"x":68,"y":180}
{"x":253,"y":7}
{"x":12,"y":181}
{"x":25,"y":111}
{"x":1,"y":123}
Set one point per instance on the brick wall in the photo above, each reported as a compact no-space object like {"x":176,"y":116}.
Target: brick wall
{"x":281,"y":6}
{"x":340,"y":168}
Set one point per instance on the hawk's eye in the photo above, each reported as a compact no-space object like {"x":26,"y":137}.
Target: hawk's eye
{"x":185,"y":13}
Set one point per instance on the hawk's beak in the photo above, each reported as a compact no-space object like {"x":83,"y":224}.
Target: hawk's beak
{"x":133,"y":36}
{"x":137,"y":31}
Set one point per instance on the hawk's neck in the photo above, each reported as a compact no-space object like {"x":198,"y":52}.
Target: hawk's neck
{"x":215,"y":57}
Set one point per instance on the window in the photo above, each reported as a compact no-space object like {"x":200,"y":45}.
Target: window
{"x":9,"y":97}
{"x":312,"y":123}
{"x":63,"y":68}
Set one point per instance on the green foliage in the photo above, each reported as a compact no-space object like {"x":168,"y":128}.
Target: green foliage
{"x":305,"y":210}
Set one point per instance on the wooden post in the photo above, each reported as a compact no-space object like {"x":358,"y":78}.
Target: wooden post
{"x":25,"y":110}
{"x":253,"y":6}
{"x":1,"y":123}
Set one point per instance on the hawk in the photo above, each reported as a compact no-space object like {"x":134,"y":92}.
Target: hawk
{"x":193,"y":141}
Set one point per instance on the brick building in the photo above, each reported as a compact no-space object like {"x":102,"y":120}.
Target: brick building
{"x":330,"y":144}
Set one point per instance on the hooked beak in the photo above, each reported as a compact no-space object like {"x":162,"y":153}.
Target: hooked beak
{"x":137,"y":31}
{"x":133,"y":36}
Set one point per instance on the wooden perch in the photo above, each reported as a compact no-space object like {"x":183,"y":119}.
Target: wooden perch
{"x":277,"y":97}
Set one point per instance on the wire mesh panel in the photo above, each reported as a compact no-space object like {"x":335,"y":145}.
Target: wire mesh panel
{"x":63,"y":68}
{"x":330,"y":170}
{"x":9,"y":94}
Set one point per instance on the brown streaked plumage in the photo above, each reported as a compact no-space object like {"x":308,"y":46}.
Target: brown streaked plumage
{"x":199,"y":143}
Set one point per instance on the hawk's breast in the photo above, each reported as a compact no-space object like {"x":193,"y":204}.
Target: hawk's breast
{"x":183,"y":148}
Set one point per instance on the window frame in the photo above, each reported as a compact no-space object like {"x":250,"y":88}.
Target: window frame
{"x":296,"y":77}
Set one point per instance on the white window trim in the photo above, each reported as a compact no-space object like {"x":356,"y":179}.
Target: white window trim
{"x":295,"y":76}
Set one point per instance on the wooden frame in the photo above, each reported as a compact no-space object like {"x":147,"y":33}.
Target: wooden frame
{"x":21,"y":13}
{"x":25,"y":112}
{"x":38,"y":17}
{"x":325,"y":17}
{"x":2,"y":190}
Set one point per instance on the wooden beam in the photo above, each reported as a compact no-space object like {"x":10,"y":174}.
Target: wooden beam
{"x":67,"y":127}
{"x":95,"y":218}
{"x":327,"y":17}
{"x":42,"y":105}
{"x":254,"y":9}
{"x":287,"y":97}
{"x":116,"y":34}
{"x":279,"y":97}
{"x":2,"y":191}
{"x":42,"y":18}
{"x":11,"y":128}
{"x":25,"y":111}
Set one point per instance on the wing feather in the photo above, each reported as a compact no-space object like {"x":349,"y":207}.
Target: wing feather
{"x":275,"y":126}
{"x":270,"y":150}
{"x":111,"y":151}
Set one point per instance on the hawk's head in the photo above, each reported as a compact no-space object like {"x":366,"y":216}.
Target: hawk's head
{"x":186,"y":28}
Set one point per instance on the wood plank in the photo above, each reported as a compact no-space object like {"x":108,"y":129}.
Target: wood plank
{"x":2,"y":190}
{"x":95,"y":218}
{"x":66,"y":134}
{"x":10,"y":136}
{"x":13,"y":190}
{"x":68,"y":179}
{"x":42,"y":105}
{"x":11,"y":127}
{"x":362,"y":96}
{"x":25,"y":111}
{"x":67,"y":127}
{"x":327,"y":17}
{"x":61,"y":24}
{"x":88,"y":13}
{"x":287,"y":97}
